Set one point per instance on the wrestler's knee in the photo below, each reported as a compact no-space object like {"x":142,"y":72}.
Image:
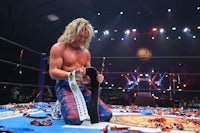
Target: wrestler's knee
{"x":106,"y":116}
{"x":72,"y":121}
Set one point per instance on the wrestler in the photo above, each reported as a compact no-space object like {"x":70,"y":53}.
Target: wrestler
{"x":69,"y":54}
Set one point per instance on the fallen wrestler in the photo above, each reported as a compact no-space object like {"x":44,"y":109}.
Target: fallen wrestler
{"x":69,"y":59}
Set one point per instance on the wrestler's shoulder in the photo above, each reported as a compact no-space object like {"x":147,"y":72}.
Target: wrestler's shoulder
{"x":86,"y":51}
{"x":58,"y":46}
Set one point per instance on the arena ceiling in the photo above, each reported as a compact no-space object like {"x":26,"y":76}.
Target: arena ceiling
{"x":34,"y":25}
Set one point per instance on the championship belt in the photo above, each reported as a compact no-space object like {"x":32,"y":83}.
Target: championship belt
{"x":94,"y":110}
{"x":80,"y":100}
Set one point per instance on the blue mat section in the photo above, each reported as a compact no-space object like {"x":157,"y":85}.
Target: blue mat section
{"x":22,"y":124}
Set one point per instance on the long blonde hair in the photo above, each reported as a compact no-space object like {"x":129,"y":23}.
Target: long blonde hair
{"x":73,"y":28}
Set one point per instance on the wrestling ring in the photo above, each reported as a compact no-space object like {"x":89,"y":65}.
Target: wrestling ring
{"x":141,"y":83}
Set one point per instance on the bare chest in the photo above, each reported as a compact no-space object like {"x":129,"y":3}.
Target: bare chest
{"x":72,"y":58}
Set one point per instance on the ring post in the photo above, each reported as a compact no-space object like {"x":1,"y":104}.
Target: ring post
{"x":41,"y":79}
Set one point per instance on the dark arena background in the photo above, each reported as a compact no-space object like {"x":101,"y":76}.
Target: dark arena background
{"x":150,"y":50}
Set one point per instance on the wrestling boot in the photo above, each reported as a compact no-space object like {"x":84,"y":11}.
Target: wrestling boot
{"x":56,"y":113}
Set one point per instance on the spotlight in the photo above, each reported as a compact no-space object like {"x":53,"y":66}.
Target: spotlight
{"x":96,"y":31}
{"x":154,"y":29}
{"x":106,"y":32}
{"x":173,"y":28}
{"x":20,"y":72}
{"x":134,"y":30}
{"x":115,"y":30}
{"x":169,"y":10}
{"x":186,"y":29}
{"x":161,"y":30}
{"x":52,"y":17}
{"x":127,"y":32}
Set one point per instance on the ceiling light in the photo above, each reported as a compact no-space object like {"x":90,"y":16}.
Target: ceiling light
{"x":52,"y":17}
{"x":173,"y":28}
{"x":127,"y":32}
{"x":161,"y":30}
{"x":115,"y":30}
{"x":186,"y":29}
{"x":154,"y":29}
{"x":134,"y":30}
{"x":169,"y":10}
{"x":96,"y":31}
{"x":106,"y":32}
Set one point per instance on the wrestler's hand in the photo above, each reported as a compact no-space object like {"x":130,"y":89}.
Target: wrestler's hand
{"x":80,"y":72}
{"x":100,"y":78}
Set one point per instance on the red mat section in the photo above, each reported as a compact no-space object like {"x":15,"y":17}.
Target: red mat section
{"x":152,"y":121}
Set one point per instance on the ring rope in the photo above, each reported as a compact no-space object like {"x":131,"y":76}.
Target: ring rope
{"x":150,"y":90}
{"x":21,"y":46}
{"x":152,"y":73}
{"x":154,"y":57}
{"x":25,"y":66}
{"x":31,"y":85}
{"x":22,"y":84}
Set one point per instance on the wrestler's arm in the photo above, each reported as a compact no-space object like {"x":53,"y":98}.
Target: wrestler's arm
{"x":56,"y":62}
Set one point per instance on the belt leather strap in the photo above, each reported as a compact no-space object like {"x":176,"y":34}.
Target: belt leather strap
{"x":94,"y":109}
